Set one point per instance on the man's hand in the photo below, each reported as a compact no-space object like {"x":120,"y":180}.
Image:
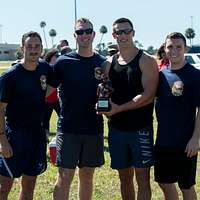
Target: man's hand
{"x":192,"y":147}
{"x":5,"y":148}
{"x":114,"y":109}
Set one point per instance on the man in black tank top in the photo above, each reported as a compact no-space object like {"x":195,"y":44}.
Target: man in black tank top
{"x":134,"y":78}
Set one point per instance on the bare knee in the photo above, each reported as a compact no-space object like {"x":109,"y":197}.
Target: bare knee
{"x":5,"y":185}
{"x":65,"y":177}
{"x":166,"y":187}
{"x":192,"y":188}
{"x":126,"y":175}
{"x":28,"y":183}
{"x":189,"y":193}
{"x":86,"y":174}
{"x":142,"y":176}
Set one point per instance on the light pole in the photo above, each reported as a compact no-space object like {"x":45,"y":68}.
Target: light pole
{"x":1,"y":35}
{"x":75,"y":15}
{"x":191,"y":21}
{"x":75,"y":12}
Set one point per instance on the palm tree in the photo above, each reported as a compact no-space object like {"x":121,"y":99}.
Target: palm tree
{"x":42,"y":25}
{"x":190,"y":34}
{"x":151,"y":50}
{"x":52,"y":34}
{"x":138,"y":44}
{"x":103,"y":30}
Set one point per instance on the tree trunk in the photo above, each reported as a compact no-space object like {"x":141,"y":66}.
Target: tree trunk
{"x":45,"y":39}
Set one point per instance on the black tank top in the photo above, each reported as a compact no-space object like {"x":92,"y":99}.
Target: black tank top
{"x":126,"y":82}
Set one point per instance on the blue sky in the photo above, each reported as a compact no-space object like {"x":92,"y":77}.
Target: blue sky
{"x":152,"y":19}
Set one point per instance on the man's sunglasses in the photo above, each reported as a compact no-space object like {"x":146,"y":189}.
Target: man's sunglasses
{"x":125,"y":31}
{"x":82,"y":31}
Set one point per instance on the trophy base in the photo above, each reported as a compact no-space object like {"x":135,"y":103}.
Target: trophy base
{"x":103,"y":105}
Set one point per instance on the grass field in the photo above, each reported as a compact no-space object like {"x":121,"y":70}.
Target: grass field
{"x":5,"y":64}
{"x":106,"y":182}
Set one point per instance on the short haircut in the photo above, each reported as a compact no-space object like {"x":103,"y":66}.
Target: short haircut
{"x":83,"y":20}
{"x":123,"y":20}
{"x":50,"y":54}
{"x":176,"y":35}
{"x":30,"y":34}
{"x":64,"y":41}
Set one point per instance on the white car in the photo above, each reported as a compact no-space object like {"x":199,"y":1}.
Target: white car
{"x":193,"y":59}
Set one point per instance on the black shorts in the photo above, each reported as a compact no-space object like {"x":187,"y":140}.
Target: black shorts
{"x":172,"y":165}
{"x":29,"y":153}
{"x":79,"y":150}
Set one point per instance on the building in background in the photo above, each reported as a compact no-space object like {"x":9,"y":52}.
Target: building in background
{"x":8,"y":51}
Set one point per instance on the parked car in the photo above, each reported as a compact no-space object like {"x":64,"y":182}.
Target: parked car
{"x":193,"y":59}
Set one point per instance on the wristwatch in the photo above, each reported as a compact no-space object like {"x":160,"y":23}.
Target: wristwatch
{"x":2,"y":133}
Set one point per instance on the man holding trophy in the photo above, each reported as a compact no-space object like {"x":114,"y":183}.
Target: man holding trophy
{"x":134,"y":76}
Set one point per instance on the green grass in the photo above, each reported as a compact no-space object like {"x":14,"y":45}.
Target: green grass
{"x":1,"y":70}
{"x":106,"y":182}
{"x":4,"y":64}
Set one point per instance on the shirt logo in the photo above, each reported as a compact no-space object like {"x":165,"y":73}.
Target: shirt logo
{"x":43,"y":82}
{"x":177,"y":88}
{"x":98,"y":73}
{"x":40,"y":165}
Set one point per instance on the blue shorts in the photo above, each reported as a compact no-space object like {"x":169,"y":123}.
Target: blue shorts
{"x":131,"y":149}
{"x":79,"y":150}
{"x":29,"y":153}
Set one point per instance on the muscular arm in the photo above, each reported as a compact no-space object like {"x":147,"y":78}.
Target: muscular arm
{"x":149,"y":82}
{"x":5,"y":148}
{"x":193,"y":144}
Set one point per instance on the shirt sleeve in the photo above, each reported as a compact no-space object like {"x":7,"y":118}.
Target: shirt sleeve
{"x":5,"y":88}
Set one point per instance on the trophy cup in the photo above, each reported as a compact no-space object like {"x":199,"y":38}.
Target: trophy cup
{"x":103,"y":92}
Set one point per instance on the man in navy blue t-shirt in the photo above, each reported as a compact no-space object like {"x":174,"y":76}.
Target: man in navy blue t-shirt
{"x":80,"y":129}
{"x":22,"y":139}
{"x":177,"y":110}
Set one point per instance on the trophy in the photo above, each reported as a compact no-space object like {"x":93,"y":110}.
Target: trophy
{"x":104,"y":91}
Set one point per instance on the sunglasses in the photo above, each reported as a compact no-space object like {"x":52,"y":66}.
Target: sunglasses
{"x":125,"y":31}
{"x":82,"y":31}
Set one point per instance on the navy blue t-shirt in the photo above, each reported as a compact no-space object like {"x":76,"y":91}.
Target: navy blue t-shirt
{"x":24,"y":92}
{"x":178,"y":97}
{"x":78,"y":93}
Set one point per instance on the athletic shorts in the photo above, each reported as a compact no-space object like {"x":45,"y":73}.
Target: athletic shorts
{"x":172,"y":165}
{"x":131,"y":149}
{"x":79,"y":150}
{"x":29,"y":153}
